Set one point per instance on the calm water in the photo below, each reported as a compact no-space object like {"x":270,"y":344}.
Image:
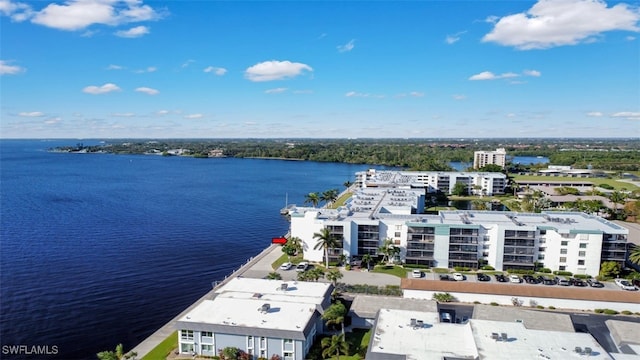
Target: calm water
{"x":98,"y":249}
{"x":524,"y":160}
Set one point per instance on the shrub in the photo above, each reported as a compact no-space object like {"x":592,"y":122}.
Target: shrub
{"x":415,"y":266}
{"x":540,"y":307}
{"x":440,"y":270}
{"x":477,"y":302}
{"x":520,"y":271}
{"x":488,"y":267}
{"x":626,"y":312}
{"x":493,"y":303}
{"x":563,"y":273}
{"x":461,"y":268}
{"x":606,"y":186}
{"x":610,"y":312}
{"x":347,"y":267}
{"x":598,"y":311}
{"x":443,"y":297}
{"x":582,"y":276}
{"x":552,"y":307}
{"x":545,"y":270}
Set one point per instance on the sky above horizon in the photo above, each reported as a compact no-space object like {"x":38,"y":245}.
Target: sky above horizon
{"x":319,"y":69}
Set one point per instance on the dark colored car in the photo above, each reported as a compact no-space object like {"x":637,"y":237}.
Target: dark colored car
{"x":501,"y":278}
{"x":579,"y":282}
{"x":445,"y":277}
{"x":529,"y":279}
{"x":550,"y":281}
{"x":595,"y":283}
{"x":483,"y":277}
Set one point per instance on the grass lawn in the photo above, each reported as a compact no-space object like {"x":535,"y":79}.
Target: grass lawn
{"x":391,"y":269}
{"x":341,"y":200}
{"x":618,"y":185}
{"x":163,"y":349}
{"x":284,"y":258}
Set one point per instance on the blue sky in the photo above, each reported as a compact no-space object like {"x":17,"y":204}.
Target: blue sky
{"x":319,"y":69}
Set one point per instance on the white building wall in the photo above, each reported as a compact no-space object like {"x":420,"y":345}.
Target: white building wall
{"x":441,"y":251}
{"x":528,"y":301}
{"x":304,"y":227}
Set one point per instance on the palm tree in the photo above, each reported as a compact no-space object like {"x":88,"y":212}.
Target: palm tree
{"x":388,"y":250}
{"x":274,"y":276}
{"x":334,"y":345}
{"x":347,"y":184}
{"x":366,"y":258}
{"x":334,"y":275}
{"x":326,"y":241}
{"x":335,"y":314}
{"x":116,"y":355}
{"x":292,"y":247}
{"x":634,"y":255}
{"x":329,"y":196}
{"x":313,"y":198}
{"x":617,"y":197}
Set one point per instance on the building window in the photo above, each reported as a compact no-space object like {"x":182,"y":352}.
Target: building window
{"x":583,"y":245}
{"x":263,"y":353}
{"x":562,"y":268}
{"x":206,"y":334}
{"x":543,"y":232}
{"x":580,"y":262}
{"x":186,"y":335}
{"x":249,"y":342}
{"x":563,"y":251}
{"x":563,"y":259}
{"x":398,"y":227}
{"x":582,"y":253}
{"x":186,"y":348}
{"x":564,"y":243}
{"x":397,"y":234}
{"x":263,"y":342}
{"x":207,"y":349}
{"x":287,"y":355}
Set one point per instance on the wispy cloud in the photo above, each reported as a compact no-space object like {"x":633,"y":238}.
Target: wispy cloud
{"x":627,"y":115}
{"x":147,"y":90}
{"x":363,"y":95}
{"x":149,"y":69}
{"x":216,"y":70}
{"x":6,"y":69}
{"x":459,"y":97}
{"x":31,"y":114}
{"x":194,"y":116}
{"x":275,"y":70}
{"x":558,"y":23}
{"x":134,"y":32}
{"x":275,"y":91}
{"x":97,"y":90}
{"x":127,"y":114}
{"x":452,"y":39}
{"x":347,"y":47}
{"x":594,"y":114}
{"x":534,"y":73}
{"x":114,"y":67}
{"x":488,"y":75}
{"x":162,"y":112}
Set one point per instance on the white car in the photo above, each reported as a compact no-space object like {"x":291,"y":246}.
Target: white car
{"x":302,"y":266}
{"x":515,"y":279}
{"x":458,"y":277}
{"x":416,"y":273}
{"x":286,"y":266}
{"x":625,"y":284}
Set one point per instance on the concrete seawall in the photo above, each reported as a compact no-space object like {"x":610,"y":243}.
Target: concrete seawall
{"x":167,"y":329}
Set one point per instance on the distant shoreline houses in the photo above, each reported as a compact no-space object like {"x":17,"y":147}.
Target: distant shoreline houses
{"x":389,"y":205}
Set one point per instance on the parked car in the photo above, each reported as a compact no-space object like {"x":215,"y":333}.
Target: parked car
{"x":595,"y":283}
{"x":579,"y":282}
{"x":501,"y":278}
{"x":445,"y":317}
{"x":286,"y":266}
{"x":416,"y":273}
{"x":458,"y":277}
{"x":548,"y":281}
{"x":483,"y":277}
{"x":564,"y":282}
{"x":446,"y":277}
{"x":515,"y":279}
{"x":303,"y":266}
{"x":625,"y":284}
{"x":530,"y":279}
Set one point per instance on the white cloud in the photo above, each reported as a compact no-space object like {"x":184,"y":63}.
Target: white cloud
{"x":534,"y":73}
{"x":627,"y":114}
{"x":275,"y":70}
{"x":347,"y":47}
{"x":162,"y":112}
{"x":594,"y":114}
{"x":6,"y":69}
{"x":17,"y":11}
{"x":114,"y":67}
{"x":133,"y":32}
{"x":193,"y":116}
{"x":216,"y":70}
{"x":416,"y":94}
{"x":79,"y":14}
{"x":488,"y":75}
{"x":452,"y":39}
{"x":630,"y":38}
{"x":147,"y":90}
{"x":187,"y":63}
{"x":303,"y":91}
{"x":149,"y":69}
{"x":459,"y":97}
{"x":364,"y":95}
{"x":275,"y":91}
{"x":31,"y":114}
{"x":551,"y":23}
{"x":127,"y":114}
{"x":96,"y":90}
{"x":52,"y":121}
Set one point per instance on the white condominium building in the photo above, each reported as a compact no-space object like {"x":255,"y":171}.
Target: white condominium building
{"x":478,"y":183}
{"x":562,"y":241}
{"x":482,"y":158}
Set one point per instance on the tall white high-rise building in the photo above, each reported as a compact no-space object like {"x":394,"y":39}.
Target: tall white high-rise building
{"x":482,"y":158}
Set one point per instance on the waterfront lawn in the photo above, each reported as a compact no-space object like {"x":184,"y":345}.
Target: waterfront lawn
{"x":341,"y":200}
{"x":163,"y":349}
{"x":398,"y":271}
{"x":284,"y":258}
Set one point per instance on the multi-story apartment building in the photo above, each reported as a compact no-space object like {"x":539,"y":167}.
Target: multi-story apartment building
{"x":432,"y":181}
{"x":482,"y":158}
{"x":562,"y":241}
{"x":260,"y":317}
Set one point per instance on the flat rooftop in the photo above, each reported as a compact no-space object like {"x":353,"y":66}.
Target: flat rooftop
{"x":367,"y":306}
{"x":298,"y":291}
{"x":531,"y":319}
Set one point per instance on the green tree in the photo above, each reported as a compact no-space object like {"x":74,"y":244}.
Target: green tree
{"x":292,"y":247}
{"x":634,"y":255}
{"x":347,"y":184}
{"x":274,"y":276}
{"x":479,"y":204}
{"x":443,"y":297}
{"x":491,"y":168}
{"x":367,"y":259}
{"x":335,"y":314}
{"x":326,"y":241}
{"x":388,"y":250}
{"x":617,"y":198}
{"x":118,"y":354}
{"x":329,"y":196}
{"x":312,"y":198}
{"x":460,"y":189}
{"x":334,"y":345}
{"x":333,"y":275}
{"x":315,"y":274}
{"x":610,"y":269}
